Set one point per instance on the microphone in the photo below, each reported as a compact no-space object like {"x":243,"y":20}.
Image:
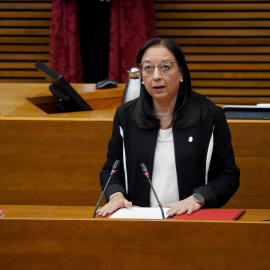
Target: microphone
{"x":146,"y":173}
{"x":113,"y":171}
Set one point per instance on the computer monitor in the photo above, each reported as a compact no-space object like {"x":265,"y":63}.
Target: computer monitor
{"x":69,"y":99}
{"x":256,"y":112}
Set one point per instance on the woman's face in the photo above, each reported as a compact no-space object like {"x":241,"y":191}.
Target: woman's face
{"x":162,"y":87}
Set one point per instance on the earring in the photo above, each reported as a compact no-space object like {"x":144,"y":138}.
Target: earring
{"x":142,"y":82}
{"x":181,"y":80}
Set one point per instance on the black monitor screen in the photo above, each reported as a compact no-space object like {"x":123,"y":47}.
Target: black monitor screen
{"x":69,"y":99}
{"x":247,"y":112}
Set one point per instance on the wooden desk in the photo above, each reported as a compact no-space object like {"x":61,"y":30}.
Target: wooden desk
{"x":86,"y":213}
{"x":58,"y":161}
{"x":40,"y":237}
{"x":55,"y":159}
{"x":35,"y":100}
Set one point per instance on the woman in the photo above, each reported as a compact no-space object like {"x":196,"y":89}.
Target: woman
{"x":181,"y":136}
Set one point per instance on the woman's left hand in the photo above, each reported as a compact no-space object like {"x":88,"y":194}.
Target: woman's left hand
{"x":187,"y":205}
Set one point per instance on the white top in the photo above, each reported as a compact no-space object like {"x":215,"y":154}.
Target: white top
{"x":164,"y":178}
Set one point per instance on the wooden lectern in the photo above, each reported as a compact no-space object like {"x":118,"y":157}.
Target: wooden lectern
{"x":65,"y":237}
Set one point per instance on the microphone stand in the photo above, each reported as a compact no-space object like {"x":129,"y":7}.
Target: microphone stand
{"x":113,"y":171}
{"x":146,"y":173}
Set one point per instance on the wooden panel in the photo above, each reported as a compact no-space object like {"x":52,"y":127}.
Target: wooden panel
{"x":254,"y":190}
{"x":23,"y":80}
{"x":24,"y":31}
{"x":24,"y":39}
{"x":255,"y":174}
{"x":251,"y":58}
{"x":18,"y":73}
{"x":230,"y":83}
{"x":52,"y":162}
{"x":250,"y":138}
{"x":252,"y":150}
{"x":217,"y":92}
{"x":222,"y":101}
{"x":130,"y":244}
{"x":20,"y":23}
{"x":48,"y":212}
{"x":27,"y":48}
{"x":49,"y":196}
{"x":229,"y":75}
{"x":41,"y":5}
{"x":239,"y":41}
{"x":202,"y":1}
{"x":229,"y":66}
{"x":236,"y":96}
{"x":214,"y":32}
{"x":57,"y":162}
{"x":214,"y":24}
{"x":24,"y":1}
{"x":224,"y":49}
{"x":24,"y":56}
{"x":213,"y":6}
{"x":19,"y":65}
{"x":160,"y":14}
{"x":225,"y":37}
{"x":252,"y":200}
{"x":25,"y":14}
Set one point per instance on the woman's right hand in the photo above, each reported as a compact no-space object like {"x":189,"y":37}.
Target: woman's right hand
{"x":116,"y":201}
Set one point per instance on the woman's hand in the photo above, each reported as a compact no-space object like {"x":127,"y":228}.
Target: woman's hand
{"x":117,"y":200}
{"x":187,"y":205}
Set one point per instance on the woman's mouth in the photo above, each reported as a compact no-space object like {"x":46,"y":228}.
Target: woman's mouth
{"x":158,"y":88}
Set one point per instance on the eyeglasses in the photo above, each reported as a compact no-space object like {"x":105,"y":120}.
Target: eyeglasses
{"x":165,"y":68}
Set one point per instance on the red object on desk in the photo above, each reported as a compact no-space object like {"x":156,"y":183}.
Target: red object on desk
{"x":212,"y":214}
{"x":2,"y":211}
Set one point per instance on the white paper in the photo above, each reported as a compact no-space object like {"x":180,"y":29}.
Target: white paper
{"x":136,"y":212}
{"x":263,"y":105}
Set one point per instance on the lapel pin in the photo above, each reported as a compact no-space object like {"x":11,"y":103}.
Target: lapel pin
{"x":190,"y":139}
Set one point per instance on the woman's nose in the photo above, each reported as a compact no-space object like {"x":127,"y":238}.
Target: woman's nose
{"x":156,"y":73}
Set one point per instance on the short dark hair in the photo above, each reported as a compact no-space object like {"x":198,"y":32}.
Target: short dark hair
{"x":189,"y":106}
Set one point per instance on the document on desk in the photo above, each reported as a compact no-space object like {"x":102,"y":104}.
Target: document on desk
{"x":136,"y":212}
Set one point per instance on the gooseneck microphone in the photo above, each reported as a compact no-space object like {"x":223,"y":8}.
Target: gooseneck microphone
{"x":146,"y":173}
{"x":113,"y":171}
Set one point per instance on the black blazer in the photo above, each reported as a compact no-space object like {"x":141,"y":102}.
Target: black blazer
{"x":209,"y":139}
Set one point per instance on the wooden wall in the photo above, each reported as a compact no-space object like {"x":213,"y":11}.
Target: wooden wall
{"x":24,"y":39}
{"x":226,"y":44}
